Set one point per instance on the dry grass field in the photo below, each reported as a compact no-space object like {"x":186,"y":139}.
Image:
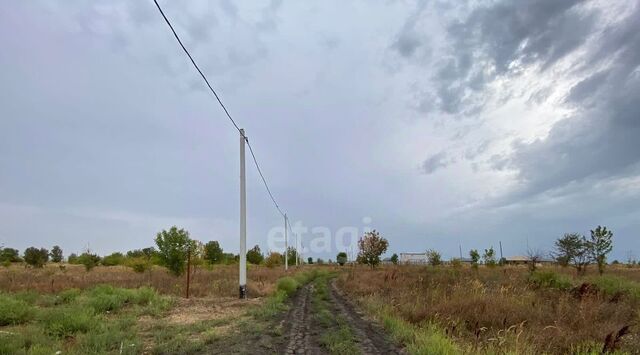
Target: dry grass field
{"x":216,"y":281}
{"x":501,"y":309}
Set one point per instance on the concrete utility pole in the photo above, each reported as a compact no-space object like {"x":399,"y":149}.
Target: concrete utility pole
{"x":286,"y":245}
{"x":243,"y":220}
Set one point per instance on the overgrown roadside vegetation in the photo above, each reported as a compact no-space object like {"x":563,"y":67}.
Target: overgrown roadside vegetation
{"x":97,"y":320}
{"x":450,"y":310}
{"x":107,"y":319}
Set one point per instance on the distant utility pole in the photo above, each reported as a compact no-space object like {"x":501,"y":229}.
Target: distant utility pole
{"x":501,"y":250}
{"x":297,"y":252}
{"x":286,"y":245}
{"x":460,"y":246}
{"x":243,"y":220}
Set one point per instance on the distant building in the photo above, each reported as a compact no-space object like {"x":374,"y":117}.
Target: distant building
{"x":413,"y":258}
{"x":523,"y":260}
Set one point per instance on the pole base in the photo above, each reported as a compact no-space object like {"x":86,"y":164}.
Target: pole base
{"x":243,"y":292}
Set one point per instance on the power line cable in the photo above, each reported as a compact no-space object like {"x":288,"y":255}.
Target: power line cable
{"x":262,"y":177}
{"x":196,"y":65}
{"x":221,"y":104}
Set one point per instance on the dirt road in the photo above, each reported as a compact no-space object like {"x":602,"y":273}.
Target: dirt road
{"x":322,"y":321}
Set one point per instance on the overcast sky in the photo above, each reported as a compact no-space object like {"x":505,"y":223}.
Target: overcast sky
{"x":447,"y":125}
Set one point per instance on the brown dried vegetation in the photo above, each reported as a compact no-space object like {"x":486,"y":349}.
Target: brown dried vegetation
{"x":498,"y":310}
{"x":219,"y":280}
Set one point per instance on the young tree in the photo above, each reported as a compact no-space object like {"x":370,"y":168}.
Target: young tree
{"x":73,"y":258}
{"x":394,"y":259}
{"x":213,"y":252}
{"x":433,"y":257}
{"x":575,"y":250}
{"x":600,"y":245}
{"x":36,"y":257}
{"x":309,"y":260}
{"x":371,"y":246}
{"x":534,"y":256}
{"x":88,"y":259}
{"x":274,"y":259}
{"x":489,"y":257}
{"x":475,"y":258}
{"x":254,"y":256}
{"x":341,"y":258}
{"x":56,"y":254}
{"x":173,"y":248}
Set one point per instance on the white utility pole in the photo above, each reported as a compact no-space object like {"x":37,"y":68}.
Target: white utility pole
{"x":286,"y":245}
{"x":297,"y":251}
{"x":243,"y":220}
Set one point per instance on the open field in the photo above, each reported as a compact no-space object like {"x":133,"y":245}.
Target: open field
{"x":414,"y":309}
{"x":218,"y":280}
{"x":500,"y":310}
{"x":109,"y":319}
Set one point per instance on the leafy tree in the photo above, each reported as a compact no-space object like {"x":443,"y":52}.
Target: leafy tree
{"x":56,"y":254}
{"x":489,"y":257}
{"x":600,"y":245}
{"x":89,"y":260}
{"x":342,"y":258}
{"x":36,"y":257}
{"x":371,"y":246}
{"x":433,"y":257}
{"x":113,"y":259}
{"x":9,"y":255}
{"x":173,"y":248}
{"x":230,"y":258}
{"x":73,"y":258}
{"x":254,"y":256}
{"x":574,"y":249}
{"x":309,"y":260}
{"x":319,"y":261}
{"x":475,"y":258}
{"x":394,"y":258}
{"x":213,"y":252}
{"x":274,"y":259}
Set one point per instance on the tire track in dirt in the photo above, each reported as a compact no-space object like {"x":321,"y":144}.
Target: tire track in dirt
{"x":304,"y":332}
{"x":300,"y":320}
{"x":370,"y":336}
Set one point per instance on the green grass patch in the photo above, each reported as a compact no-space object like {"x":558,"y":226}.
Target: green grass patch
{"x":75,"y":321}
{"x":612,"y":285}
{"x":422,"y":339}
{"x":550,"y":279}
{"x":15,"y":310}
{"x":66,"y":321}
{"x":288,"y":284}
{"x":340,"y":339}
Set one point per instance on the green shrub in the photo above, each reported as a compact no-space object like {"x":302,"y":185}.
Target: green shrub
{"x":14,"y":311}
{"x":68,"y":295}
{"x":139,"y":264}
{"x":66,"y":321}
{"x":550,"y":279}
{"x":288,"y":284}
